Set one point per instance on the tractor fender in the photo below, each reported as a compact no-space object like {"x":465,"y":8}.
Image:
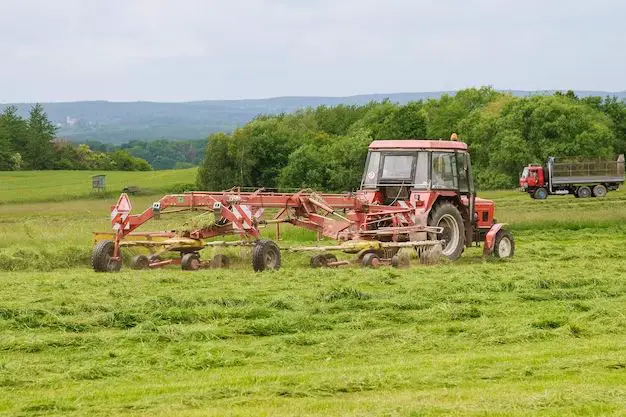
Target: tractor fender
{"x":490,"y":238}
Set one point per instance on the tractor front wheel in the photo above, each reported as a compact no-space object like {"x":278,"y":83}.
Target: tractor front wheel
{"x":448,"y":216}
{"x":505,"y":245}
{"x":265,"y":255}
{"x":102,"y":257}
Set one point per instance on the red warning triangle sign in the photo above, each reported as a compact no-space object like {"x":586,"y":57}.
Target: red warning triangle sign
{"x":123,"y":204}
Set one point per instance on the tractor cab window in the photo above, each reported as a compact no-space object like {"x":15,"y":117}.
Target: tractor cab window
{"x":421,"y":171}
{"x":397,"y":167}
{"x":462,"y":166}
{"x":370,"y":176}
{"x":444,"y":170}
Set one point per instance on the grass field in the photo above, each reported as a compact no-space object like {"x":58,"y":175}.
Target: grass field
{"x":37,"y":186}
{"x":542,"y":334}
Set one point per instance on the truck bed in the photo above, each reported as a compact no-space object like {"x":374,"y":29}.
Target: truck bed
{"x":592,"y":179}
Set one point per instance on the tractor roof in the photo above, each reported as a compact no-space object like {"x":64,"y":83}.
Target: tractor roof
{"x":418,"y":144}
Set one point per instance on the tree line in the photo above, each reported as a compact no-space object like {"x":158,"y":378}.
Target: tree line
{"x":31,"y":144}
{"x":160,"y":153}
{"x":325,"y":147}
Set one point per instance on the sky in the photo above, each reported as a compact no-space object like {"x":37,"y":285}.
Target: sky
{"x":180,"y":50}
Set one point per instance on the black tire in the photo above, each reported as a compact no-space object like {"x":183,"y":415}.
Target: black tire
{"x":541,"y":194}
{"x":400,"y":260}
{"x":370,"y":260}
{"x":532,"y":195}
{"x":101,"y":257}
{"x":220,"y":261}
{"x":265,"y":255}
{"x":583,"y":192}
{"x":154,"y":258}
{"x":140,"y":262}
{"x":319,"y":261}
{"x":599,"y":190}
{"x":190,"y":261}
{"x":449,"y":217}
{"x":505,"y":245}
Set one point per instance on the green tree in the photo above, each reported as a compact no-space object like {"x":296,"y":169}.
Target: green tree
{"x":38,"y":152}
{"x":218,"y":170}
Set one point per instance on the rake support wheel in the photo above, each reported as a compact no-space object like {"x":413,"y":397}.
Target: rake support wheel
{"x":220,"y":261}
{"x":101,"y":257}
{"x":190,"y":261}
{"x":265,"y":255}
{"x":140,"y":262}
{"x":370,"y":260}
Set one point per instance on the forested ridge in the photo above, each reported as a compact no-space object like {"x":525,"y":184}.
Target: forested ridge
{"x":325,"y":147}
{"x":31,"y":144}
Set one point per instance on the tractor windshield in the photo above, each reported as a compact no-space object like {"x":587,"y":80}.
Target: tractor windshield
{"x":396,"y":167}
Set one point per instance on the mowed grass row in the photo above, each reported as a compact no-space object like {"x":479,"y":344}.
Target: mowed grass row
{"x":40,"y":186}
{"x":541,"y":334}
{"x":535,"y":336}
{"x":59,"y":234}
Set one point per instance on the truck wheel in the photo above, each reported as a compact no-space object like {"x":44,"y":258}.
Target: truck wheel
{"x":101,"y":257}
{"x":541,"y":194}
{"x":599,"y":190}
{"x":447,"y":215}
{"x":584,"y":192}
{"x":505,"y":245}
{"x":265,"y":255}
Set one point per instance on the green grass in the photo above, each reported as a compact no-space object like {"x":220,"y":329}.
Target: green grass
{"x":542,"y":334}
{"x":40,"y":186}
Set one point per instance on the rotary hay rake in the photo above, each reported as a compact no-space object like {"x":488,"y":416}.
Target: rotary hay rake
{"x":375,"y":233}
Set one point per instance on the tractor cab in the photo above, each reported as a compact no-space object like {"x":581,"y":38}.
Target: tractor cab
{"x":435,"y":178}
{"x":396,"y":168}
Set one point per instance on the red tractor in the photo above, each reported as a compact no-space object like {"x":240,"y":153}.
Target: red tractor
{"x":414,"y":193}
{"x":435,"y":177}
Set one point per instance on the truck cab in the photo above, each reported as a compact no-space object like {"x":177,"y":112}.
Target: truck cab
{"x":532,"y":176}
{"x":433,"y":177}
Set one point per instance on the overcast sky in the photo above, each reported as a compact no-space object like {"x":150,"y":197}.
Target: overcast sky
{"x":177,"y":50}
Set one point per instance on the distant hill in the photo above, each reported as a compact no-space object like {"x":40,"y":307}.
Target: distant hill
{"x":120,"y":122}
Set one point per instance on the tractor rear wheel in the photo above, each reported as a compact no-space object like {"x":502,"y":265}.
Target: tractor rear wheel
{"x":265,"y":255}
{"x":101,"y":257}
{"x":541,"y":194}
{"x":584,"y":192}
{"x":505,"y":245}
{"x":448,"y":216}
{"x":599,"y":190}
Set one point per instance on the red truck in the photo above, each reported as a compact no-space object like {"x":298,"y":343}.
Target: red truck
{"x":589,"y":178}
